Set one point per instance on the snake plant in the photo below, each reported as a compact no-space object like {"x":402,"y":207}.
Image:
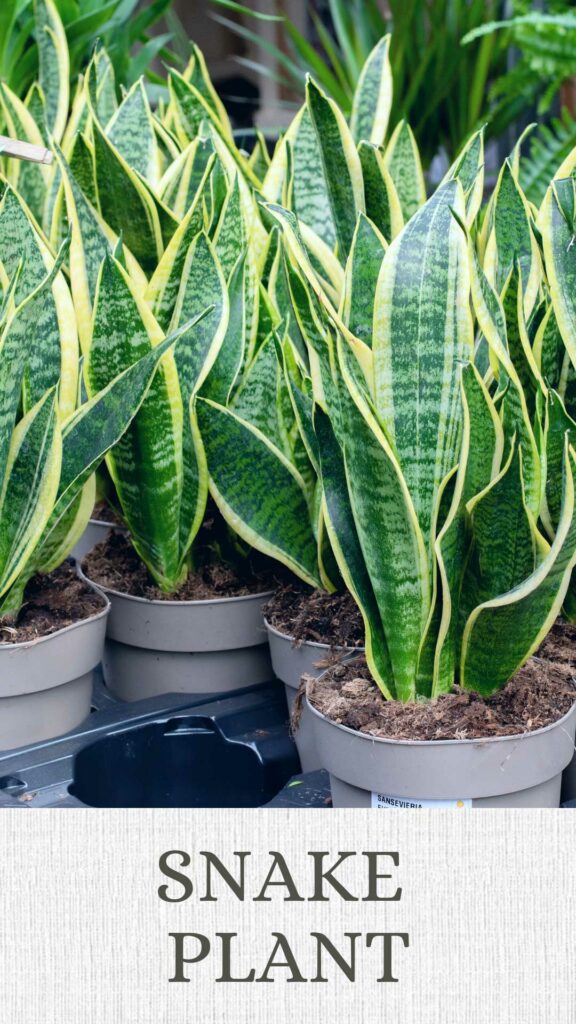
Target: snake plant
{"x":50,"y":448}
{"x":426,"y":406}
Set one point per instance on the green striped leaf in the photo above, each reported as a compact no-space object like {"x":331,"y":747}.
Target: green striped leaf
{"x":268,"y":509}
{"x":361,"y":278}
{"x":165,"y":283}
{"x":146,"y":464}
{"x":345,"y":544}
{"x":340,"y":164}
{"x":44,"y":317}
{"x":403,"y":162}
{"x":30,"y":486}
{"x":502,"y":633}
{"x":390,"y":537}
{"x":422,"y":329}
{"x":380,"y":195}
{"x":373,"y":96}
{"x":54,"y":65}
{"x":91,"y":242}
{"x":183,"y":177}
{"x":32,"y":180}
{"x":468,"y":168}
{"x":512,"y":239}
{"x":492,"y":323}
{"x":480,"y":457}
{"x":559,"y":425}
{"x":202,"y":285}
{"x":558,"y":220}
{"x":131,"y":132}
{"x":126,"y":204}
{"x":224,"y":373}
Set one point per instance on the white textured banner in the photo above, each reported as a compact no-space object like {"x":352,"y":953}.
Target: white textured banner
{"x":487,"y":904}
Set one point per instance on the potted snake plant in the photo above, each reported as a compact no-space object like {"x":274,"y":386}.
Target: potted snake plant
{"x":186,"y":595}
{"x":52,"y":624}
{"x":447,"y":477}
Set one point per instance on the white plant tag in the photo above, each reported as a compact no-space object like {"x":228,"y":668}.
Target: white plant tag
{"x":384,"y":802}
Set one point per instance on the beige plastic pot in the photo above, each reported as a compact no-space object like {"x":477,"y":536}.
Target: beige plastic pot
{"x":155,"y":647}
{"x":290,"y":661}
{"x":504,"y":771}
{"x":46,"y":684}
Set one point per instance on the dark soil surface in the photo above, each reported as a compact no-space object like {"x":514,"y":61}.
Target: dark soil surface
{"x":306,"y":614}
{"x":560,"y":644}
{"x":104,"y":513}
{"x":540,"y":693}
{"x":114,"y":564}
{"x":51,"y":603}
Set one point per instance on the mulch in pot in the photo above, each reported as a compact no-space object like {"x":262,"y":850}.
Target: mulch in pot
{"x":104,"y":513}
{"x":51,"y":603}
{"x":305,"y":614}
{"x":113,"y":563}
{"x":537,"y":695}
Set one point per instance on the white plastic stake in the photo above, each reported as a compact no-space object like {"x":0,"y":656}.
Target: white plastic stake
{"x":25,"y":151}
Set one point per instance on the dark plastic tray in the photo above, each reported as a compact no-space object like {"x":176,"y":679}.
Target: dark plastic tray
{"x":169,"y":751}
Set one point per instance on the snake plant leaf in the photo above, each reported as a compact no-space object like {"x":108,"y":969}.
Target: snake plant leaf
{"x":422,"y":330}
{"x":361,"y":277}
{"x":506,"y":544}
{"x":390,"y":536}
{"x":199,"y":77}
{"x":256,"y":400}
{"x":54,"y":548}
{"x":165,"y":283}
{"x":492,"y":323}
{"x":32,"y":180}
{"x":125,"y":202}
{"x":340,"y":163}
{"x":345,"y":544}
{"x":403,"y":162}
{"x":146,"y":464}
{"x":181,"y":180}
{"x":480,"y":459}
{"x":35,"y":104}
{"x":192,"y":110}
{"x":268,"y":508}
{"x":302,"y":403}
{"x":45,"y":332}
{"x":54,"y":65}
{"x":91,"y":241}
{"x":549,"y":350}
{"x":44,"y":317}
{"x":223,"y":375}
{"x":468,"y":167}
{"x":131,"y":131}
{"x":30,"y":486}
{"x":559,"y":425}
{"x":512,"y":239}
{"x":380,"y":195}
{"x":93,"y":430}
{"x":230,"y":236}
{"x":558,"y":221}
{"x":373,"y":96}
{"x":502,"y":633}
{"x":202,"y":286}
{"x":260,"y":158}
{"x":298,"y":252}
{"x":519,"y":345}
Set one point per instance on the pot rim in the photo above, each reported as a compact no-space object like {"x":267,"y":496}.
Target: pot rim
{"x":514,"y":737}
{"x":171,"y":604}
{"x":28,"y":644}
{"x":310,"y":643}
{"x":108,"y":525}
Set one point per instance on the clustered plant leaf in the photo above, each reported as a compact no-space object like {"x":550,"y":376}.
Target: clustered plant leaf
{"x":379,"y":395}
